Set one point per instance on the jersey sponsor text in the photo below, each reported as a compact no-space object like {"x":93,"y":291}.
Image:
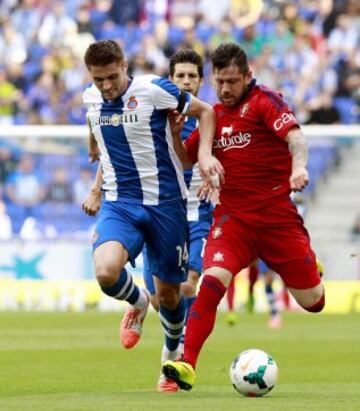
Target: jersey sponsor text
{"x":284,"y":119}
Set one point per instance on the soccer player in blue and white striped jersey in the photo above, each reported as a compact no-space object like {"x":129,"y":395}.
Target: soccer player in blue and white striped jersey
{"x":186,"y":71}
{"x":143,"y":184}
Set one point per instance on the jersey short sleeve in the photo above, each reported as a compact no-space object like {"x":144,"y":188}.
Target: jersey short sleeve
{"x":91,"y":95}
{"x":91,"y":98}
{"x":192,"y":145}
{"x":166,"y":95}
{"x":276,"y":114}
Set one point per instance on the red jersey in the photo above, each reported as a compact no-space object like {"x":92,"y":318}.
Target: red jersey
{"x":250,"y":144}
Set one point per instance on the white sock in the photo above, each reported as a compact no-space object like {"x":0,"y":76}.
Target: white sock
{"x":143,"y":299}
{"x":166,"y":354}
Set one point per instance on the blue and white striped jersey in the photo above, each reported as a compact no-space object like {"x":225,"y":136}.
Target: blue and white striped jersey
{"x":196,"y":209}
{"x":137,"y":155}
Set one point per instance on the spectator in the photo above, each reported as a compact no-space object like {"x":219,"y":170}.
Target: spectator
{"x":252,"y":41}
{"x":9,"y":96}
{"x":124,"y":12}
{"x":5,"y":223}
{"x":191,"y":42}
{"x":323,"y":110}
{"x":83,"y":185}
{"x":59,"y":189}
{"x":55,"y":25}
{"x":154,"y":54}
{"x":322,"y":30}
{"x":356,"y":227}
{"x":12,"y":45}
{"x":139,"y":65}
{"x":23,"y":186}
{"x":223,"y":35}
{"x":343,"y":38}
{"x":7,"y":163}
{"x":244,"y":13}
{"x":26,"y":20}
{"x":213,"y":12}
{"x":83,"y":20}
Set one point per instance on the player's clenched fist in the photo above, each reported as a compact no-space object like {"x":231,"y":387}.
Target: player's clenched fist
{"x":299,"y":179}
{"x":210,"y":167}
{"x":92,"y":203}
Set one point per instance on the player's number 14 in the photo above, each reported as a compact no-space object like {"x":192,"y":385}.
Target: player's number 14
{"x":183,"y":254}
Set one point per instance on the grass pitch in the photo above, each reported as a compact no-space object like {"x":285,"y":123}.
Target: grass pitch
{"x":75,"y":362}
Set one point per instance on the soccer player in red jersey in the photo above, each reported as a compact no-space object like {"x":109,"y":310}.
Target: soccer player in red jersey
{"x":264,"y":154}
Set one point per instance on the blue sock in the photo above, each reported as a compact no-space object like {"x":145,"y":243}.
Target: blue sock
{"x":124,"y":288}
{"x":172,"y":323}
{"x":271,"y":299}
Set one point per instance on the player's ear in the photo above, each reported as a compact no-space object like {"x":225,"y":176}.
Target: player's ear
{"x":201,"y":81}
{"x":125,"y":65}
{"x":249,"y":76}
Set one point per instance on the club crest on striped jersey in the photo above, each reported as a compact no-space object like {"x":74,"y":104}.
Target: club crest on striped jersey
{"x":132,"y":103}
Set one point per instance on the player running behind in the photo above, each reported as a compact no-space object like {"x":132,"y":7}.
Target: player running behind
{"x":264,"y":154}
{"x":143,"y":184}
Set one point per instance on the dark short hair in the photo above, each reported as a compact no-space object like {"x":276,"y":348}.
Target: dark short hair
{"x":227,"y":54}
{"x":186,"y":56}
{"x":102,"y":53}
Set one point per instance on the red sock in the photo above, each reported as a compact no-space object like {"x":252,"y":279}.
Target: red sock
{"x":202,"y":317}
{"x":230,"y":294}
{"x":317,"y":307}
{"x":286,"y":298}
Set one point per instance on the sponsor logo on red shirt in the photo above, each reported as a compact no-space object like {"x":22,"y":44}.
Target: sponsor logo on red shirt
{"x":284,"y":119}
{"x":229,"y":141}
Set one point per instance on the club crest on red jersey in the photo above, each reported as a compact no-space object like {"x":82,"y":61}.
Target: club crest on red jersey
{"x":217,"y":232}
{"x":132,"y":103}
{"x":244,"y":109}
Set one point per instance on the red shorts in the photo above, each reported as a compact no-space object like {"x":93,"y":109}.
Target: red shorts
{"x":275,"y":234}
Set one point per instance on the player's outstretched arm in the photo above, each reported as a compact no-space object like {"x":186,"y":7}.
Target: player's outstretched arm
{"x":92,"y":202}
{"x":299,"y":177}
{"x":208,"y":164}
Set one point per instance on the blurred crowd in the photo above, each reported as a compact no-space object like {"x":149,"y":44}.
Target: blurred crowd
{"x":307,"y":49}
{"x":41,"y":195}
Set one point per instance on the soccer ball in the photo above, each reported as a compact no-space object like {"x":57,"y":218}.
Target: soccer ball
{"x":253,"y":373}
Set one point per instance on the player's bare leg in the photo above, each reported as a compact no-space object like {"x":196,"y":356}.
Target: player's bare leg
{"x":154,"y":301}
{"x":311,"y":299}
{"x":110,"y":259}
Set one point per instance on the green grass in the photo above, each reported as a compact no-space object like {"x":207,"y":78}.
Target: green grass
{"x":75,"y":362}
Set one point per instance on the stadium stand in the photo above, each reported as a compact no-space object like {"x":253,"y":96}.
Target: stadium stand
{"x":307,"y":50}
